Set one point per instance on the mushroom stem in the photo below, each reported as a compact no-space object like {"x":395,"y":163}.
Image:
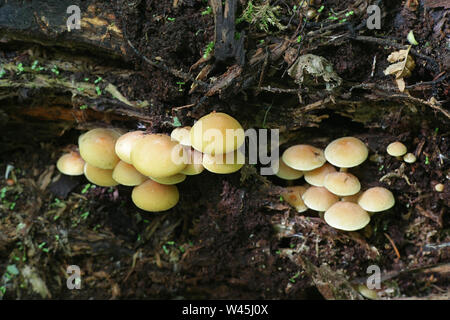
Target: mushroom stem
{"x":343,"y":169}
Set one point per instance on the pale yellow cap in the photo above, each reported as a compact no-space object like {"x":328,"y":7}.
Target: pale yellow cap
{"x":125,"y":144}
{"x":155,"y":197}
{"x":293,"y":196}
{"x":319,"y":198}
{"x":376,"y":199}
{"x":71,"y":164}
{"x":317,"y":176}
{"x":176,"y":178}
{"x":342,"y":183}
{"x":303,"y":157}
{"x":347,"y":216}
{"x":220,"y":164}
{"x":98,"y":176}
{"x":127,"y":175}
{"x":182,"y":135}
{"x":195,"y":163}
{"x":346,"y":152}
{"x":285,"y":172}
{"x":396,"y":149}
{"x":97,"y":147}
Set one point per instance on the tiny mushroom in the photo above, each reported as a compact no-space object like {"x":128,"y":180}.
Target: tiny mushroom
{"x":71,"y":164}
{"x":156,"y":155}
{"x":155,"y":197}
{"x":319,"y":198}
{"x":303,"y":157}
{"x":293,"y":196}
{"x":125,"y":144}
{"x":224,"y":163}
{"x":439,"y":187}
{"x":97,"y":147}
{"x":127,"y":175}
{"x":347,"y":216}
{"x":376,"y":199}
{"x":176,"y":178}
{"x":285,"y":172}
{"x":217,"y":133}
{"x":98,"y":176}
{"x":346,"y":152}
{"x":409,"y":158}
{"x":396,"y":149}
{"x":317,"y":176}
{"x":182,"y":135}
{"x":342,"y":183}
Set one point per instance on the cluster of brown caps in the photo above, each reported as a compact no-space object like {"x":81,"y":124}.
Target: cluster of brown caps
{"x":337,"y":193}
{"x":154,"y":163}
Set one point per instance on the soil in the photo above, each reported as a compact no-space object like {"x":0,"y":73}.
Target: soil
{"x":231,"y":236}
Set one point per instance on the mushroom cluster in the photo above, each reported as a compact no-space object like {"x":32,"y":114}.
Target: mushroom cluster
{"x":399,"y":150}
{"x":336,"y":195}
{"x":154,"y":163}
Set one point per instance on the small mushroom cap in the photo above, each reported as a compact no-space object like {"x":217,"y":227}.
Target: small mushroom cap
{"x":342,"y":183}
{"x":97,"y":147}
{"x":195,"y":163}
{"x":155,"y":197}
{"x":396,"y":149}
{"x":125,"y":144}
{"x":317,"y":176}
{"x":303,"y":157}
{"x":182,"y":135}
{"x":156,"y":155}
{"x":319,"y":198}
{"x":98,"y":176}
{"x":293,"y":196}
{"x":127,"y":175}
{"x":285,"y":172}
{"x":353,"y":198}
{"x":366,"y":292}
{"x":71,"y":164}
{"x":409,"y":158}
{"x":346,"y":152}
{"x":224,"y":163}
{"x":217,"y":133}
{"x":347,"y":216}
{"x":376,"y":199}
{"x":176,"y":178}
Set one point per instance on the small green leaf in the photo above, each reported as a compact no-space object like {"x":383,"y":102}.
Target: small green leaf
{"x":176,"y":122}
{"x":12,"y":269}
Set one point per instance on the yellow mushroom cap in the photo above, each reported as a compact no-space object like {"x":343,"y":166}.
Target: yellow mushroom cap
{"x":97,"y":147}
{"x":346,"y":152}
{"x":195,"y":163}
{"x":71,"y":164}
{"x":409,"y":158}
{"x":293,"y":196}
{"x":125,"y":144}
{"x":396,"y":149}
{"x":176,"y":178}
{"x":439,"y":187}
{"x":342,"y":183}
{"x":366,"y":292}
{"x":353,"y":198}
{"x":217,"y":133}
{"x":317,"y":176}
{"x":127,"y":175}
{"x":182,"y":135}
{"x":319,"y":198}
{"x":376,"y":199}
{"x":303,"y":157}
{"x":98,"y":176}
{"x":347,"y":216}
{"x":224,"y":163}
{"x":156,"y":155}
{"x":285,"y":172}
{"x":155,"y":197}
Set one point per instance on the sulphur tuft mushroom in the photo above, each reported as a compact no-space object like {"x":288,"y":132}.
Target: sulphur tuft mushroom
{"x":156,"y":155}
{"x":71,"y":164}
{"x":155,"y":197}
{"x":317,"y":176}
{"x":346,"y":152}
{"x":224,"y":163}
{"x":439,"y":187}
{"x":285,"y":172}
{"x":347,"y":216}
{"x":182,"y":136}
{"x":98,"y":176}
{"x":376,"y":199}
{"x":293,"y":196}
{"x":125,"y":144}
{"x":195,"y":163}
{"x":319,"y":198}
{"x":342,"y":183}
{"x":396,"y":149}
{"x":303,"y":157}
{"x":176,"y":178}
{"x":97,"y":147}
{"x":127,"y":175}
{"x":409,"y":158}
{"x":217,"y":133}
